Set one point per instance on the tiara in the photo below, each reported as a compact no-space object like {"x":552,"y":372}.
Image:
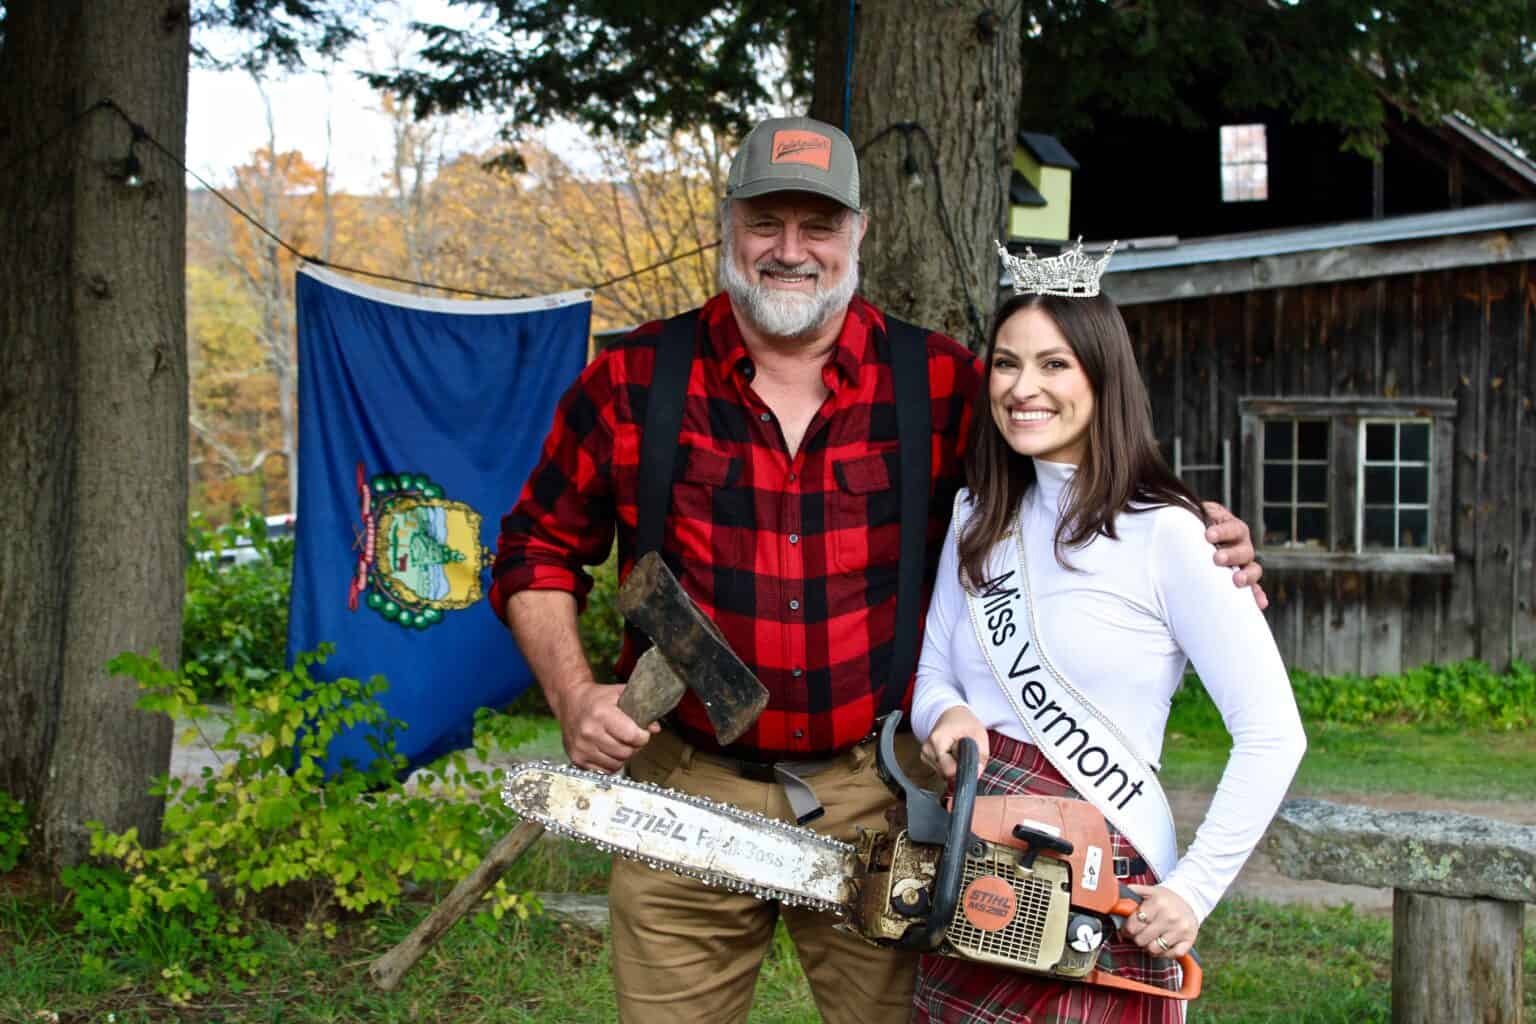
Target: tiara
{"x":1071,"y":274}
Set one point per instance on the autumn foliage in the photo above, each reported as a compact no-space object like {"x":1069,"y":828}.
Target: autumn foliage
{"x":496,"y":223}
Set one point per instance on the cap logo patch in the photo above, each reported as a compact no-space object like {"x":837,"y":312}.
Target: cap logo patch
{"x":801,"y":147}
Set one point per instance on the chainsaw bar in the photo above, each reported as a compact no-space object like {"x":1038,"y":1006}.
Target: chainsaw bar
{"x":718,"y":844}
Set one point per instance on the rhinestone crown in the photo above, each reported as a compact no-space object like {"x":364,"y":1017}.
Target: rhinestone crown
{"x":1072,"y":274}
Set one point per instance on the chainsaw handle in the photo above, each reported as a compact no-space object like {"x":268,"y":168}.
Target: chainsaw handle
{"x":1189,"y":963}
{"x":927,"y":936}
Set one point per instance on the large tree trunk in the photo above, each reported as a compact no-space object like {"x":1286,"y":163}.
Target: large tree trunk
{"x":933,"y":65}
{"x":93,"y":408}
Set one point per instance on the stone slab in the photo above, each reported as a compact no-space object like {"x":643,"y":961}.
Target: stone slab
{"x":1442,"y":853}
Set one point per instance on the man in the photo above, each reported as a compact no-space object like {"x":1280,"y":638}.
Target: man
{"x":783,"y":526}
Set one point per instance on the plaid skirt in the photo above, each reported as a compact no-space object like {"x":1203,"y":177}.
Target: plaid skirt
{"x":954,"y":991}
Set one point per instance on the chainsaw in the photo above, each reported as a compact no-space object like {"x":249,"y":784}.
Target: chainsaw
{"x":1020,"y":882}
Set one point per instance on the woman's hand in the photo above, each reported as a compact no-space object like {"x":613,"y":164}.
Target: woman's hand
{"x":953,"y":725}
{"x":1163,"y":925}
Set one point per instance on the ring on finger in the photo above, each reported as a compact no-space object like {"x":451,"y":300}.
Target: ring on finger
{"x":1141,"y":915}
{"x":1164,"y":943}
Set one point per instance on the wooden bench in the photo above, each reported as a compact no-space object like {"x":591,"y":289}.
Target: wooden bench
{"x":1459,"y":883}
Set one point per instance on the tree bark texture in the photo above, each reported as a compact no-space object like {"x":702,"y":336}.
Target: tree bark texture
{"x":93,"y":405}
{"x":1455,"y":959}
{"x":939,"y":83}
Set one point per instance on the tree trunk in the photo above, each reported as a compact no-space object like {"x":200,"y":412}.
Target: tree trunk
{"x":953,"y":83}
{"x":93,"y":408}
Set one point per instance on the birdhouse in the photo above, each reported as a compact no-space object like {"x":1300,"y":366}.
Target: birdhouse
{"x":1040,"y":190}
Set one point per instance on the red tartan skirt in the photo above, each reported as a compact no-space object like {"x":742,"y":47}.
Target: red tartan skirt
{"x":955,"y":991}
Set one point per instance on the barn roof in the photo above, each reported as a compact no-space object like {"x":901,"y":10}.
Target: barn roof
{"x":1152,"y":270}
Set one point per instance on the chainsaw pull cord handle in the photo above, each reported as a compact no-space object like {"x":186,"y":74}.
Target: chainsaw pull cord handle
{"x":928,"y":936}
{"x":1189,"y":963}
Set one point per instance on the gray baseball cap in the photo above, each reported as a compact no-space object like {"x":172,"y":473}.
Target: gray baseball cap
{"x":795,"y":154}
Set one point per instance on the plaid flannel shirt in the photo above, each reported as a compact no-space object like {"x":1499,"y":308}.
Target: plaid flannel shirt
{"x":795,"y":558}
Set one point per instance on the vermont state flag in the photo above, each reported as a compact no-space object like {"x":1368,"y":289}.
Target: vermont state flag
{"x":419,"y":420}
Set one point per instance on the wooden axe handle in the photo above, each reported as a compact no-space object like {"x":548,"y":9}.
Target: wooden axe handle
{"x":653,"y":690}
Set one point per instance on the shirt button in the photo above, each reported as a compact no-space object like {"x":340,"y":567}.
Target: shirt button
{"x":797,"y":672}
{"x":794,"y":604}
{"x":799,"y":734}
{"x":793,"y":478}
{"x":766,"y":417}
{"x":794,"y":538}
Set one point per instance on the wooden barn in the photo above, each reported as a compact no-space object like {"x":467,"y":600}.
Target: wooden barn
{"x":1342,"y":351}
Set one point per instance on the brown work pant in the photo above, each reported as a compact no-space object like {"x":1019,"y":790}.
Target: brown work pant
{"x":684,"y":952}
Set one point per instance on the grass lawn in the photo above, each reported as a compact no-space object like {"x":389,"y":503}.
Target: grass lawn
{"x":1264,"y":963}
{"x":1383,"y":758}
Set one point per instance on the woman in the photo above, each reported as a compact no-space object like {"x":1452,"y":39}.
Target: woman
{"x":1058,"y":648}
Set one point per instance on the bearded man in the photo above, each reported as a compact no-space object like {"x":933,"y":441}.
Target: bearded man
{"x":783,"y":524}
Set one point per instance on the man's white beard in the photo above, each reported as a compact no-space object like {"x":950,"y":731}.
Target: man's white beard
{"x":781,"y":313}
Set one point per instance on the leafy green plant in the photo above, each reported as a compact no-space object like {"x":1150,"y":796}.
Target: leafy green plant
{"x":266,"y":834}
{"x":235,"y":620}
{"x":1465,"y":694}
{"x":15,"y":823}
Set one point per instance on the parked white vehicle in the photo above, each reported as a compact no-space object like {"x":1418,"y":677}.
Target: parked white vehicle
{"x":242,"y":551}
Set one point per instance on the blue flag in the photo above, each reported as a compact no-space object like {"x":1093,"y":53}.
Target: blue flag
{"x":419,"y":420}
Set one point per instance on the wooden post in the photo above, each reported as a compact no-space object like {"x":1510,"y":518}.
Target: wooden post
{"x":1455,"y":959}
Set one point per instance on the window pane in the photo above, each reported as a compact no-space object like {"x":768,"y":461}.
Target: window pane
{"x":1312,"y":439}
{"x":1378,"y":485}
{"x":1379,"y":442}
{"x":1413,"y":528}
{"x":1415,"y":441}
{"x":1378,"y":528}
{"x":1312,"y":525}
{"x":1277,"y":482}
{"x":1413,"y":485}
{"x":1311,"y":483}
{"x":1277,"y":439}
{"x":1277,"y":524}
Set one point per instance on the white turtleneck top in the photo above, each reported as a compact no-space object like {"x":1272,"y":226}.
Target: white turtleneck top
{"x":1122,"y":629}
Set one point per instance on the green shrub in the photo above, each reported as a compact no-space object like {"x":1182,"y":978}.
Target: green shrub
{"x":1465,"y":694}
{"x":15,"y":824}
{"x":266,"y":834}
{"x":235,"y":621}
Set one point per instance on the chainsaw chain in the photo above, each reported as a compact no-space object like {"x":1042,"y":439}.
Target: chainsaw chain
{"x":751,"y":819}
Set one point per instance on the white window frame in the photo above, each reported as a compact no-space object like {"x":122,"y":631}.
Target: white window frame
{"x":1295,"y":462}
{"x":1348,"y":418}
{"x":1230,"y":137}
{"x":1397,"y":463}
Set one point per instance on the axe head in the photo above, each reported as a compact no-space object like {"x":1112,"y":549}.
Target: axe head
{"x":656,"y":604}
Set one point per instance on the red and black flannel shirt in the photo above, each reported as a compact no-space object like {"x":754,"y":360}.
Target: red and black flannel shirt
{"x":794,"y":557}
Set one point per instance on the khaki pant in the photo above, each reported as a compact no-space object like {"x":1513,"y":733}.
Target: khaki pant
{"x":684,"y":952}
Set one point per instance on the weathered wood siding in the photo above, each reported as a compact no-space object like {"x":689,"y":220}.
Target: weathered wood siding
{"x":1464,"y":334}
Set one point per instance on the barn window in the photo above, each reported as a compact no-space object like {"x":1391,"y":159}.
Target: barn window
{"x":1244,"y":163}
{"x":1353,"y":484}
{"x":1395,"y":468}
{"x":1296,"y":482}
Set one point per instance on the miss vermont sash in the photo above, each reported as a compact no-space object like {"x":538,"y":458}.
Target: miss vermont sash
{"x":1075,"y":737}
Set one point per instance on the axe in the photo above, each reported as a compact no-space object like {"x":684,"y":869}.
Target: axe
{"x":689,"y":653}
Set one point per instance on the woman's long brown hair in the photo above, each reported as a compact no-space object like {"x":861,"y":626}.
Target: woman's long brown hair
{"x":1121,"y":471}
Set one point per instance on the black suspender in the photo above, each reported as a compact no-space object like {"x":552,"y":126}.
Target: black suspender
{"x":908,"y":347}
{"x":663,"y":421}
{"x":914,"y":435}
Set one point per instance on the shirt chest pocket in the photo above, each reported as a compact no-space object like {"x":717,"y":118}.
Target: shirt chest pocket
{"x":711,"y":515}
{"x":863,"y":512}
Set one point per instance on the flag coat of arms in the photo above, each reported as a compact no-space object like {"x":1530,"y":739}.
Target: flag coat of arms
{"x":419,"y":420}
